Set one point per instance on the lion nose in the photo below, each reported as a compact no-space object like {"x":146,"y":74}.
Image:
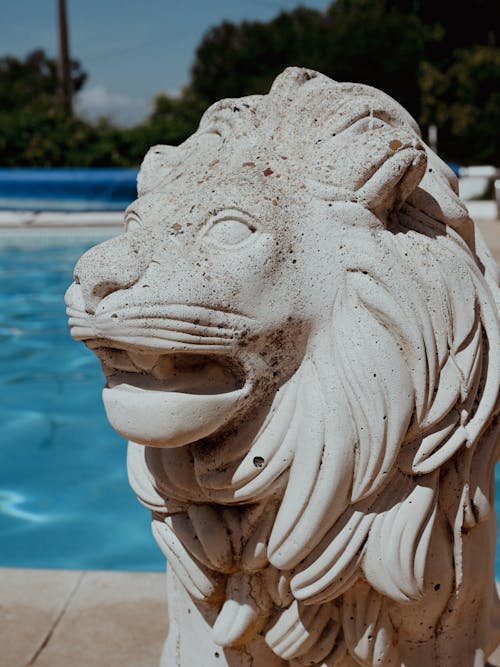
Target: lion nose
{"x":111,"y":266}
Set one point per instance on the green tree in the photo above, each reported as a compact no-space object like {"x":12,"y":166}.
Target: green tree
{"x":33,"y":82}
{"x":34,"y":128}
{"x":172,"y":121}
{"x":444,"y":69}
{"x":368,"y":41}
{"x":234,"y":60}
{"x":459,"y":25}
{"x":440,"y":62}
{"x":376,"y":42}
{"x":464,"y":102}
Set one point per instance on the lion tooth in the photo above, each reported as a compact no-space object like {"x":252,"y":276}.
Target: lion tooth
{"x":143,"y":360}
{"x":116,"y":360}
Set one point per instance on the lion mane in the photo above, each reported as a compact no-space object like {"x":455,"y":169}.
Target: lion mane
{"x":369,"y":484}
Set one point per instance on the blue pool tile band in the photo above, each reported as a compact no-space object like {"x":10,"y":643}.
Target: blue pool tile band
{"x":67,"y":189}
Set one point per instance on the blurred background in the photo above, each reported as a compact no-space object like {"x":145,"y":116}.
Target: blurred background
{"x":143,"y":72}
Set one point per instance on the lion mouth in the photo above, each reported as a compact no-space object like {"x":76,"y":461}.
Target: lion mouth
{"x":173,"y":374}
{"x":185,"y":373}
{"x":170,"y":398}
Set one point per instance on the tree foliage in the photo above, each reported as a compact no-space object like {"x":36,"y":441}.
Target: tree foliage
{"x":463,"y":100}
{"x":354,"y":41}
{"x":33,"y":81}
{"x":379,"y":44}
{"x":34,"y":128}
{"x":444,"y":69}
{"x":234,"y":60}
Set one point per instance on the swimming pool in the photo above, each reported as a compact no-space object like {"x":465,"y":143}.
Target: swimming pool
{"x":64,"y":496}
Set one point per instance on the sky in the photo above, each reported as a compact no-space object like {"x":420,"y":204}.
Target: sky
{"x":131,"y":50}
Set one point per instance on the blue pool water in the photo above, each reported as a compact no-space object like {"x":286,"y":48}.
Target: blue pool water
{"x":64,"y":496}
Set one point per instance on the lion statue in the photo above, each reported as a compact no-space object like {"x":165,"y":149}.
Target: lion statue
{"x":299,"y":331}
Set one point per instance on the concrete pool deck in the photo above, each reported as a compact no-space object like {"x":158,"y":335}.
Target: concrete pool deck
{"x":490,"y":229}
{"x":62,"y":618}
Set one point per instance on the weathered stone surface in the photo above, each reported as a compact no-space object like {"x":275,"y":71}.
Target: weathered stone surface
{"x":299,"y":331}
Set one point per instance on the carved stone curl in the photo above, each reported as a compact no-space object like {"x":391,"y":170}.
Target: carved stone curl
{"x":299,"y":331}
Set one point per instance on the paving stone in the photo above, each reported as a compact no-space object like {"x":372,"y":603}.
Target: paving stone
{"x":490,"y":229}
{"x":115,"y":619}
{"x":54,"y":618}
{"x":31,"y":602}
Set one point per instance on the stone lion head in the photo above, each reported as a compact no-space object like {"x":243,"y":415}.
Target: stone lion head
{"x":300,"y":338}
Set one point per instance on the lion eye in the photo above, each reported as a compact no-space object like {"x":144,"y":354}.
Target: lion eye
{"x":230,"y":231}
{"x":132,"y":222}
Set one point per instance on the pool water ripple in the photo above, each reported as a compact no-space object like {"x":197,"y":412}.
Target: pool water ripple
{"x":65,"y":501}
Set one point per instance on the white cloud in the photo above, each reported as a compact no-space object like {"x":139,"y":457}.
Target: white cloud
{"x":98,"y":101}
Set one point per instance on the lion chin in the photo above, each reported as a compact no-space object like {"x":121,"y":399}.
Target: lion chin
{"x":299,"y":332}
{"x":193,"y":397}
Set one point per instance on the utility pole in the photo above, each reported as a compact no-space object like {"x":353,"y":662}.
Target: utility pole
{"x":63,"y":62}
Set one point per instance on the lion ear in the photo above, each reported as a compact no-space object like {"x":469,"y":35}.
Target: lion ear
{"x":370,"y":162}
{"x":394,"y":180}
{"x":157,"y":163}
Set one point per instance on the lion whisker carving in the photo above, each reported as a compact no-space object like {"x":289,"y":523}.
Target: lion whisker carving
{"x":83,"y":330}
{"x":157,"y":331}
{"x":189,"y":314}
{"x":146,"y":332}
{"x":300,"y":336}
{"x":157,"y":320}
